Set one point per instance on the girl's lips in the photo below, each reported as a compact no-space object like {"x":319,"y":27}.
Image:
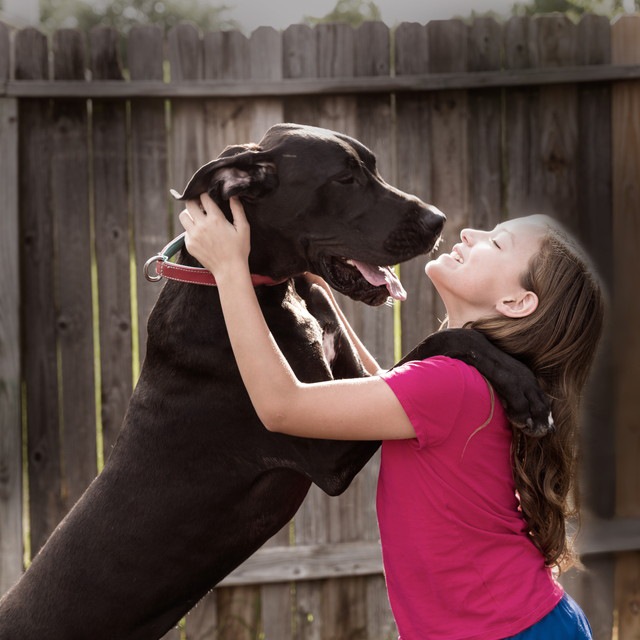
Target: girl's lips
{"x":456,"y":254}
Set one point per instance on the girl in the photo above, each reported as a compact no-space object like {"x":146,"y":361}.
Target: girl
{"x":471,"y":513}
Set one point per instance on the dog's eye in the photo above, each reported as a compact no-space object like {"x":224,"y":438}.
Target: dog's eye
{"x":345,"y":179}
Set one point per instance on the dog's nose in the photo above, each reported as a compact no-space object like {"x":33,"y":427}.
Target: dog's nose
{"x":436,"y":219}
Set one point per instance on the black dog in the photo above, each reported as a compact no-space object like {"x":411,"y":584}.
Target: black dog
{"x":195,"y":484}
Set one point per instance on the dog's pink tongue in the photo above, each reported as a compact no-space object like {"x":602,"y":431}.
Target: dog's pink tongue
{"x":378,"y":276}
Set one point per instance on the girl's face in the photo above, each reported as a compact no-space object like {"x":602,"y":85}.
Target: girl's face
{"x":481,"y":276}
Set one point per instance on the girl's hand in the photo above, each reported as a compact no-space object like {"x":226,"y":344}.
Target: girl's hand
{"x":215,"y":242}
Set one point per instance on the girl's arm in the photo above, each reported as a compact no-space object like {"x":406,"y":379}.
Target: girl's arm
{"x":358,"y":409}
{"x":368,"y":361}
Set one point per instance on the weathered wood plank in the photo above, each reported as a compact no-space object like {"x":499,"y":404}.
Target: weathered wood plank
{"x":37,"y":294}
{"x":149,"y":182}
{"x":265,"y":52}
{"x":522,"y":127}
{"x":71,"y":214}
{"x":312,"y":87}
{"x":626,"y":306}
{"x":363,"y":558}
{"x":11,"y":551}
{"x":593,"y":588}
{"x":554,"y":44}
{"x":485,"y":128}
{"x":111,"y":211}
{"x":414,"y":175}
{"x":448,"y":43}
{"x":375,"y":126}
{"x":226,"y":55}
{"x":186,"y":58}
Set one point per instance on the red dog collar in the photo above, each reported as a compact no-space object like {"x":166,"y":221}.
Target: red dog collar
{"x":193,"y":275}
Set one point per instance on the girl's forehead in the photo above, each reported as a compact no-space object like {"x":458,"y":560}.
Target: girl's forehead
{"x":528,"y":226}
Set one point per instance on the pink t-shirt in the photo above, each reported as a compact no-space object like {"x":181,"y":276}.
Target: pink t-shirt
{"x":459,"y":564}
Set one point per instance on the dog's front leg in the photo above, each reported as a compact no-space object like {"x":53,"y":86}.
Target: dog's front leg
{"x":526,"y":404}
{"x":341,"y":356}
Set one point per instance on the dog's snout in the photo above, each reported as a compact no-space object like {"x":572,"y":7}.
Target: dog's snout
{"x":418,"y":232}
{"x":436,"y":219}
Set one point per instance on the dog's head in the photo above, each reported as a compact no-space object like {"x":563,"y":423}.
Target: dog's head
{"x":316,"y":202}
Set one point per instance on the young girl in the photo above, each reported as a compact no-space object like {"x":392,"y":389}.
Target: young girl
{"x":471,"y":513}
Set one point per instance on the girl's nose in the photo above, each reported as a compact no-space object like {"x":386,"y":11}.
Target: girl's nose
{"x":467,"y":236}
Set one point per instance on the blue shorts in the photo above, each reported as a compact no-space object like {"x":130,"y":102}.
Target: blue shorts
{"x":566,"y":621}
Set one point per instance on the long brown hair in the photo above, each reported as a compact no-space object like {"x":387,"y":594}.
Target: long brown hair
{"x":558,"y":342}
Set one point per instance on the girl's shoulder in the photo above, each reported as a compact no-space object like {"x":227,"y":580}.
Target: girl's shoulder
{"x":435,"y":392}
{"x":441,"y":379}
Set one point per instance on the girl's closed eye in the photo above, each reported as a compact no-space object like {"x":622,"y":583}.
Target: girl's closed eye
{"x":495,"y":243}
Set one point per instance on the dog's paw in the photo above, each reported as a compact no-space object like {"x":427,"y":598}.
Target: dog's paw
{"x":527,"y":406}
{"x":537,"y":428}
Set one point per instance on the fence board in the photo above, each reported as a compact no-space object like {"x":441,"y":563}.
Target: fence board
{"x":111,"y":212}
{"x":37,"y":294}
{"x":375,"y":129}
{"x":149,"y":180}
{"x":70,"y":208}
{"x":485,"y":130}
{"x":414,"y":172}
{"x":448,"y":42}
{"x":522,"y":126}
{"x":626,"y":227}
{"x":593,"y":588}
{"x":11,"y":552}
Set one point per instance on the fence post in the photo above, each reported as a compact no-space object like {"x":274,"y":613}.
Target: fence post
{"x":10,"y":404}
{"x":626,"y":195}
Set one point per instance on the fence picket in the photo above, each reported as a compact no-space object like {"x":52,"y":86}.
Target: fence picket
{"x":71,"y":214}
{"x":111,"y":212}
{"x":593,"y":588}
{"x":414,"y":172}
{"x":46,"y":506}
{"x":11,"y":552}
{"x":626,"y":266}
{"x":485,"y":129}
{"x":149,"y":161}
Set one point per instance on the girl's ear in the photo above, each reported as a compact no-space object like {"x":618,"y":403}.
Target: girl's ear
{"x":524,"y":304}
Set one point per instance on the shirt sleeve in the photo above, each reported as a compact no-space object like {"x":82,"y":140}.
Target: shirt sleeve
{"x":430,"y":392}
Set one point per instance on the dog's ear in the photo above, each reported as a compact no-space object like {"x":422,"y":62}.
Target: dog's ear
{"x":239,"y":170}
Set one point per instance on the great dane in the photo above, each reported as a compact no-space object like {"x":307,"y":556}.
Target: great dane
{"x":195,"y":484}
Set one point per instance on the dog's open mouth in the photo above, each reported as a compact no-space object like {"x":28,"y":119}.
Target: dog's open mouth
{"x":364,"y":282}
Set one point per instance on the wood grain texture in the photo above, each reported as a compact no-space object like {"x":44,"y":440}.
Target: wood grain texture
{"x":149,"y":190}
{"x":35,"y":150}
{"x":71,"y":214}
{"x":626,"y":227}
{"x":112,"y":233}
{"x":10,"y":338}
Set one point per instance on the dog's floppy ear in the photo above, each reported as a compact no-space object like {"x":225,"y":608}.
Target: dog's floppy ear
{"x":244,"y":170}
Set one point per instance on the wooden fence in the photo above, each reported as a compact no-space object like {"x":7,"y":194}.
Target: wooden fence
{"x":485,"y":120}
